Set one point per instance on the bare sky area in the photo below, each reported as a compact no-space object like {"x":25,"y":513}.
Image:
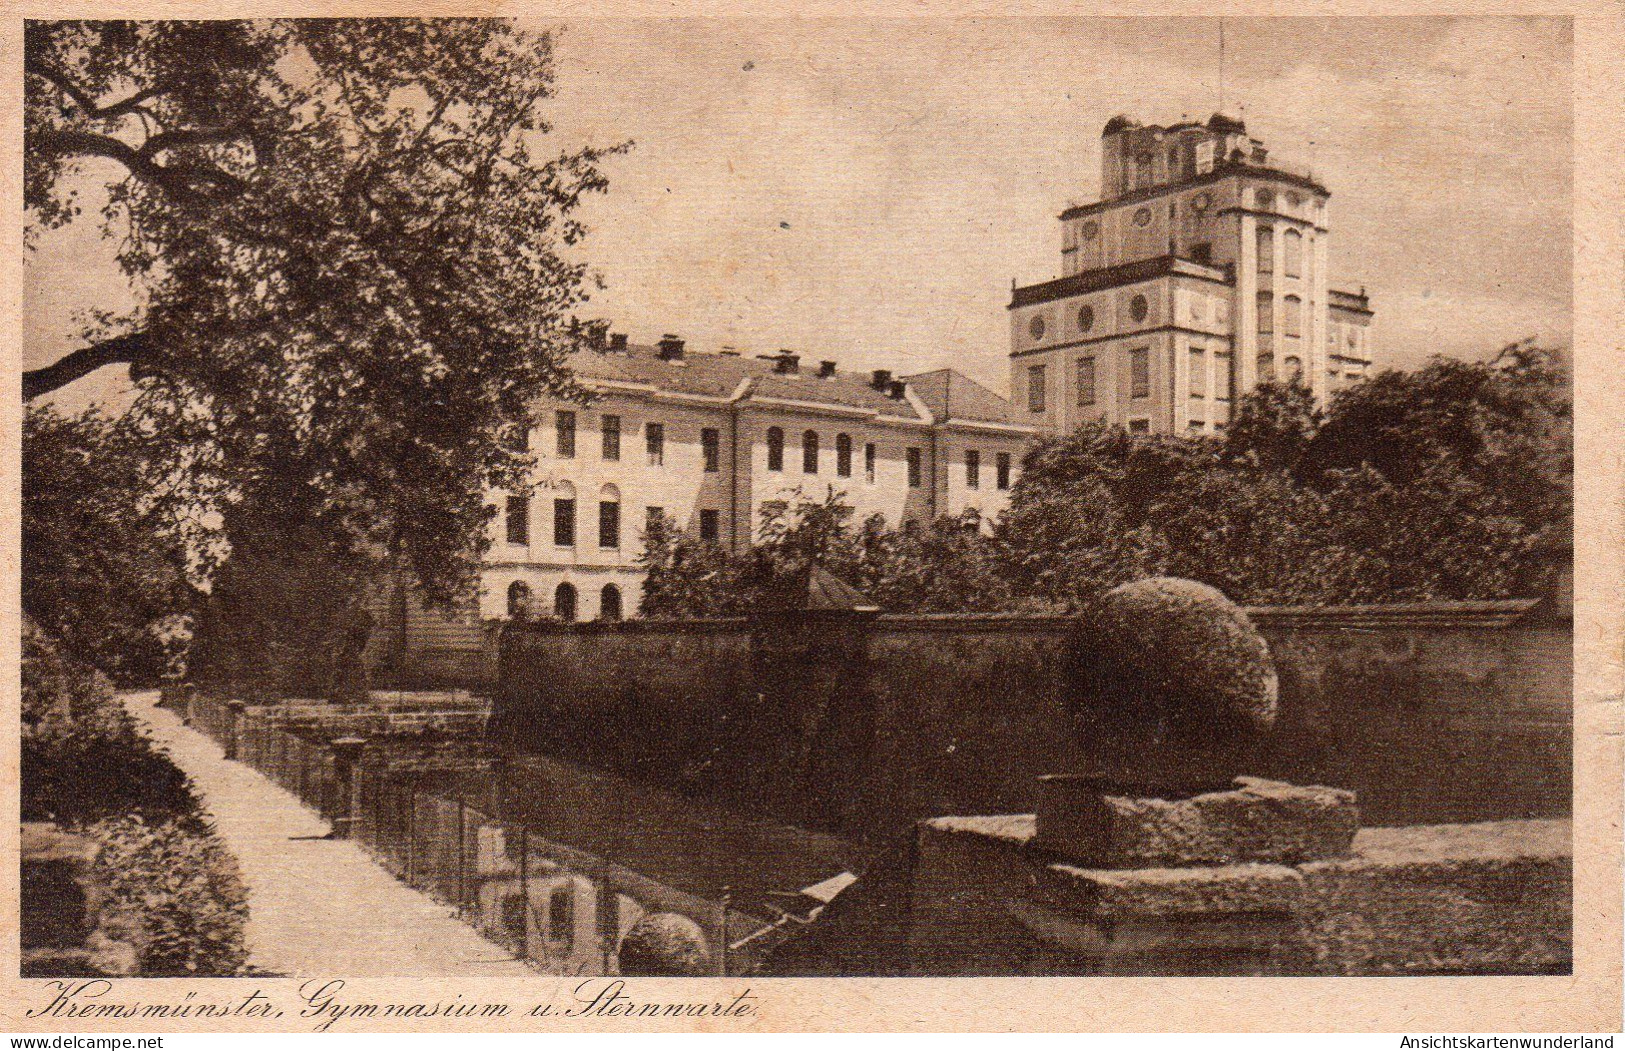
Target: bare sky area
{"x":866,"y":191}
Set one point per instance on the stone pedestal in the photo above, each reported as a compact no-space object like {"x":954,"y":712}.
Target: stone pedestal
{"x":1097,"y":823}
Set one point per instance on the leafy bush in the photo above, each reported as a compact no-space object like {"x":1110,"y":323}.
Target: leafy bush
{"x":179,"y":889}
{"x":86,"y":766}
{"x":664,"y":944}
{"x":1191,"y":654}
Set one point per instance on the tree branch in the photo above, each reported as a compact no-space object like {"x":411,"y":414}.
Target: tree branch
{"x":47,"y":72}
{"x":132,"y":349}
{"x":179,"y":181}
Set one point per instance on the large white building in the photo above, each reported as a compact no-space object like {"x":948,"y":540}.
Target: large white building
{"x":1201,"y":271}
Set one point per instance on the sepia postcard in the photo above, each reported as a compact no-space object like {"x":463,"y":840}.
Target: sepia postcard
{"x":541,"y":520}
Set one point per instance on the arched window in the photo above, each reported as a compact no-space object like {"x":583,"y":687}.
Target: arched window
{"x":843,"y":455}
{"x":609,"y":603}
{"x":1266,"y":250}
{"x":1294,"y":370}
{"x":519,"y":600}
{"x":1142,"y":169}
{"x":809,"y":452}
{"x":775,"y":449}
{"x":564,"y":602}
{"x":1293,"y":321}
{"x":1293,"y":250}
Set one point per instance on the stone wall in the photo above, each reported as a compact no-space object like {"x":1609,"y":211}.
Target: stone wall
{"x":862,"y":725}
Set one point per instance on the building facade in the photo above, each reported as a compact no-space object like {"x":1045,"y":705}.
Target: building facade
{"x":706,"y":440}
{"x":1201,"y":272}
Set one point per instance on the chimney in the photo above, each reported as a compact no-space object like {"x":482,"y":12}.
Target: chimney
{"x":617,"y":341}
{"x":882,"y":379}
{"x":671,"y":348}
{"x":826,"y":369}
{"x":895,"y":389}
{"x":786,"y":362}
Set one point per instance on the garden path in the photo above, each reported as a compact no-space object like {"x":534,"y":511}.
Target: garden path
{"x":317,"y":907}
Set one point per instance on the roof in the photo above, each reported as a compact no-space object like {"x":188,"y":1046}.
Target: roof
{"x":1220,"y":171}
{"x":952,"y":396}
{"x":721,"y":376}
{"x":1116,"y":276}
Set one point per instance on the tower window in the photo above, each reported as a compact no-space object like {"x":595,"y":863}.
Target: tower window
{"x":1139,"y":426}
{"x":564,"y":433}
{"x":843,"y":455}
{"x":809,"y":453}
{"x":711,"y":449}
{"x":1266,"y":250}
{"x":775,"y":449}
{"x":1293,"y":316}
{"x":1266,"y":313}
{"x":611,"y":428}
{"x":1292,"y":249}
{"x":1035,"y":388}
{"x":1086,"y":318}
{"x":1224,"y":380}
{"x":973,"y":469}
{"x":1198,"y":372}
{"x":1139,"y":308}
{"x":1086,"y":382}
{"x":1294,"y":369}
{"x":1139,"y":372}
{"x":1266,"y":368}
{"x":518,"y":520}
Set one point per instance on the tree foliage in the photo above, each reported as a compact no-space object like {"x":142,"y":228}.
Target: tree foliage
{"x":1446,"y":483}
{"x":104,"y":548}
{"x":351,"y":259}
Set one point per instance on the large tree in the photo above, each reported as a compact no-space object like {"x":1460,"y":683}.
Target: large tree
{"x":349,"y":259}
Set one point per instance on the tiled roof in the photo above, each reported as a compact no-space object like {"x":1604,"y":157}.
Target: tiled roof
{"x":719,"y":376}
{"x":950,"y":395}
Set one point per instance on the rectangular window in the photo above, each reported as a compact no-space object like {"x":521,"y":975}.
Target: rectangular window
{"x":1139,"y":372}
{"x":609,"y":523}
{"x":518,"y":519}
{"x":710,"y":525}
{"x":1224,"y":376}
{"x":869,"y":462}
{"x":612,"y":437}
{"x":973,"y":469}
{"x":1198,"y":370}
{"x":564,"y":522}
{"x":1292,"y":321}
{"x":914,"y":473}
{"x":1139,"y":426}
{"x":711,"y":447}
{"x":1266,"y":250}
{"x":1001,"y":471}
{"x":1204,"y":157}
{"x":1035,"y":389}
{"x":1266,"y":313}
{"x":564,"y":430}
{"x":1086,"y":382}
{"x":1202,"y":252}
{"x":654,"y":440}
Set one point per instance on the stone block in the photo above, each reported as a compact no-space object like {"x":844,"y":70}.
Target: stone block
{"x":1098,"y":825}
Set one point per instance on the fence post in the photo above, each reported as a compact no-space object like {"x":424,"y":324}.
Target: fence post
{"x":234,"y":730}
{"x":524,"y":892}
{"x":462,"y":864}
{"x":347,"y":753}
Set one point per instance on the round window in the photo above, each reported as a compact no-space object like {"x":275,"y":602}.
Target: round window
{"x":1201,"y":202}
{"x":1265,"y":199}
{"x":1142,"y":217}
{"x":1138,"y":308}
{"x":1091,"y":230}
{"x":1293,"y":199}
{"x":1035,"y":327}
{"x":1086,"y":318}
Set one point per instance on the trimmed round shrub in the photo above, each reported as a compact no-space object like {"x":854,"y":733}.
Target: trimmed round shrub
{"x":664,"y":944}
{"x":1185,"y":654}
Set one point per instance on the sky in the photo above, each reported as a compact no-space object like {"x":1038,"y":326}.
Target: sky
{"x":866,"y":191}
